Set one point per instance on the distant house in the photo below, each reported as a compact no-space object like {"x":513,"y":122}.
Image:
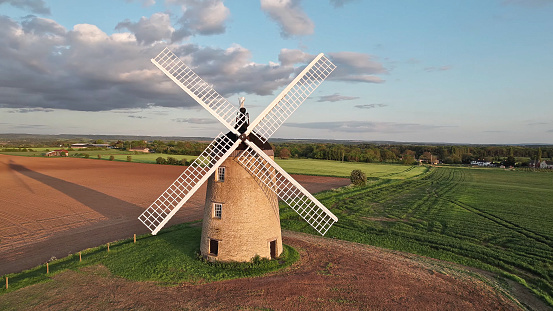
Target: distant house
{"x":542,"y":164}
{"x":58,"y":153}
{"x":145,"y":150}
{"x":481,"y":163}
{"x":85,"y":145}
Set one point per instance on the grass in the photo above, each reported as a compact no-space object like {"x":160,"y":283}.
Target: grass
{"x":492,"y":219}
{"x":343,"y":169}
{"x":169,"y":258}
{"x":105,"y":154}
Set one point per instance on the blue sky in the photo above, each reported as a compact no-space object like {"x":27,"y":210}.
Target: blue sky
{"x":424,"y":71}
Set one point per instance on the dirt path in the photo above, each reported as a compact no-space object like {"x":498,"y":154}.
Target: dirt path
{"x":54,"y":207}
{"x":331,"y":275}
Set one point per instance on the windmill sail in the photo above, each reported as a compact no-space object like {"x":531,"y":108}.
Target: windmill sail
{"x":291,"y":97}
{"x":170,"y":201}
{"x":198,"y":89}
{"x":287,"y":189}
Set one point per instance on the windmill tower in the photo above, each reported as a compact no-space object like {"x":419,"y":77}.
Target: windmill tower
{"x":241,"y":216}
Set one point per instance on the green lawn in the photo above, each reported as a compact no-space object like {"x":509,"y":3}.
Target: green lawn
{"x":343,"y":169}
{"x":168,"y":258}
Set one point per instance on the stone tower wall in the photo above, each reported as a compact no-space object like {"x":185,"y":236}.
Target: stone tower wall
{"x":249,"y":220}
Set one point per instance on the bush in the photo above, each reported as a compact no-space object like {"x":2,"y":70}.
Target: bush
{"x":111,"y":158}
{"x":99,"y":156}
{"x":172,"y":161}
{"x":86,"y":155}
{"x":129,"y":158}
{"x":358,"y":178}
{"x":160,"y":160}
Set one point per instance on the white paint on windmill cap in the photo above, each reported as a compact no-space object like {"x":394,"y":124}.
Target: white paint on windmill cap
{"x":241,"y":100}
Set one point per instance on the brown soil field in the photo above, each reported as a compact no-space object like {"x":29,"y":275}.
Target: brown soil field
{"x":54,"y":207}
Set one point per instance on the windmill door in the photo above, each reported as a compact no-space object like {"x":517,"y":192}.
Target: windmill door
{"x":273,"y":249}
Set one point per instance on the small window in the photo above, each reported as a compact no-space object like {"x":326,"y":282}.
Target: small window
{"x":220,"y":174}
{"x":213,"y":247}
{"x":217,"y":210}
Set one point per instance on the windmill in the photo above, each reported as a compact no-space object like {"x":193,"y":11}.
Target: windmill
{"x":241,"y":215}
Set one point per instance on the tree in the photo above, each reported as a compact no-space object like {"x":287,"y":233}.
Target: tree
{"x":358,"y":178}
{"x":129,"y":159}
{"x":111,"y":158}
{"x":510,"y":161}
{"x":284,"y":153}
{"x":160,"y":160}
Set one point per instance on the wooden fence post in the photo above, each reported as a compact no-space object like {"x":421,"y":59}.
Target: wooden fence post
{"x":135,"y":238}
{"x":80,"y":258}
{"x":6,"y":282}
{"x":108,"y":247}
{"x":47,"y":269}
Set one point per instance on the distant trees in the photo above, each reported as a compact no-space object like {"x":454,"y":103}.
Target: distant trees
{"x":284,"y":153}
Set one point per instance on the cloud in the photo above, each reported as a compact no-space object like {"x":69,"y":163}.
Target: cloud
{"x":196,"y":120}
{"x":370,"y":106}
{"x":43,"y":65}
{"x":35,"y":6}
{"x":335,"y":98}
{"x":356,"y":67}
{"x":289,"y":16}
{"x":137,"y":117}
{"x":433,"y":69}
{"x":148,"y":30}
{"x":27,"y":110}
{"x":364,"y":126}
{"x":339,"y":3}
{"x":205,"y":17}
{"x":198,"y":18}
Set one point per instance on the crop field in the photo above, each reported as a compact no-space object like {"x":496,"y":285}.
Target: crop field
{"x":105,"y":154}
{"x":343,"y":169}
{"x":493,"y":219}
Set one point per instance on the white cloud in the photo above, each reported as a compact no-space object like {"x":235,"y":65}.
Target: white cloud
{"x":148,"y":30}
{"x":205,"y":17}
{"x":356,"y":67}
{"x":289,"y":16}
{"x":340,"y":3}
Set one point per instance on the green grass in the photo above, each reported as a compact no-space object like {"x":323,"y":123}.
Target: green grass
{"x":343,"y":169}
{"x":105,"y":154}
{"x":493,"y":219}
{"x":169,"y":258}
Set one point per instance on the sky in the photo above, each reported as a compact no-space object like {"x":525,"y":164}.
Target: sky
{"x":467,"y":72}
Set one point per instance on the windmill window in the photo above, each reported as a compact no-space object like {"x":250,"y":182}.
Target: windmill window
{"x":220,"y":176}
{"x":217,"y":210}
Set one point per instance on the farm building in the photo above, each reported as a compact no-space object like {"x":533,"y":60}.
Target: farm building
{"x":85,"y":145}
{"x":481,"y":163}
{"x":542,"y":164}
{"x":58,"y":153}
{"x":145,"y":150}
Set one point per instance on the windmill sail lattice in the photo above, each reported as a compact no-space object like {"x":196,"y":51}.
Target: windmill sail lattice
{"x":253,"y":159}
{"x":292,"y":97}
{"x":197,"y":88}
{"x":170,"y":201}
{"x":287,"y":189}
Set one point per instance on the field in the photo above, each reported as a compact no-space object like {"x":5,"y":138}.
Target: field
{"x":491,"y":219}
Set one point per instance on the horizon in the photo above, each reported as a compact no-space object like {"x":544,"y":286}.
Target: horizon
{"x":473,"y":73}
{"x":278,"y":140}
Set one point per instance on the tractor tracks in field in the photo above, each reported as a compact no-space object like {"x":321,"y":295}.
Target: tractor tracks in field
{"x":537,"y":237}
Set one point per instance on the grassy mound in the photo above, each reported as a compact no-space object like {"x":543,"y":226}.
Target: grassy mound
{"x":169,"y":258}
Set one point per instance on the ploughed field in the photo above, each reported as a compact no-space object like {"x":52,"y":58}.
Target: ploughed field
{"x":51,"y":207}
{"x":496,"y":220}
